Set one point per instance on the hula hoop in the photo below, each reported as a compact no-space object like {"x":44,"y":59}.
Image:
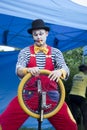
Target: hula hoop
{"x":27,"y":110}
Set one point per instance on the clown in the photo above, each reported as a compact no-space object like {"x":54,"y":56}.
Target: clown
{"x":32,"y":59}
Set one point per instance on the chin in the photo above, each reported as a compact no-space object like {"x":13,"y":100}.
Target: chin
{"x":39,"y":44}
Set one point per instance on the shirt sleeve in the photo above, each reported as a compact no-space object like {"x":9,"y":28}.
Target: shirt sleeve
{"x":23,"y":58}
{"x":61,"y":64}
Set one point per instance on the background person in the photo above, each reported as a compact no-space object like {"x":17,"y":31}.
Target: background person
{"x":31,"y":59}
{"x":77,"y":96}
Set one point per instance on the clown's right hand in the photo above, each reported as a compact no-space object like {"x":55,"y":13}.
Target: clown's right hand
{"x":34,"y":71}
{"x":21,"y":72}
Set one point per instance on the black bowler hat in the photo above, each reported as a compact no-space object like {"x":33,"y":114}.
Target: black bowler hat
{"x":38,"y":24}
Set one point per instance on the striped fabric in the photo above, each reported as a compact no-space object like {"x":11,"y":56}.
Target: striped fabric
{"x":57,"y":59}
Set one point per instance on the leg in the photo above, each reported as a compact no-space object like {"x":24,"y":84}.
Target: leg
{"x":76,"y":112}
{"x":13,"y":117}
{"x":74,"y":107}
{"x":63,"y":120}
{"x":83,"y":108}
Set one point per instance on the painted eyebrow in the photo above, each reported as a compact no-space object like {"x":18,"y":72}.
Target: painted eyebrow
{"x":34,"y":33}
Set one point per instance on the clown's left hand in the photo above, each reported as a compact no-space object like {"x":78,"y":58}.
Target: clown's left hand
{"x":55,"y":75}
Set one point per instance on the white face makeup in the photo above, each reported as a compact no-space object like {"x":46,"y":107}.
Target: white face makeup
{"x":40,"y":36}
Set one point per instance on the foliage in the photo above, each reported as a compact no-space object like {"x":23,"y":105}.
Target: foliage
{"x":73,"y":59}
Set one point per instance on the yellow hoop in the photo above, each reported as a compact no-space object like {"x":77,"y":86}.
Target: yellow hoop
{"x":0,"y":127}
{"x":29,"y":112}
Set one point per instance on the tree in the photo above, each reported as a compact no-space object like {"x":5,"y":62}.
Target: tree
{"x":73,"y":59}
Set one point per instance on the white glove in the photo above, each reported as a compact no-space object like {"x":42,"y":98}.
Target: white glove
{"x":34,"y":71}
{"x":55,"y":75}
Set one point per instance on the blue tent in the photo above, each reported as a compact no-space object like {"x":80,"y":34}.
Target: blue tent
{"x":68,"y":24}
{"x":67,"y":21}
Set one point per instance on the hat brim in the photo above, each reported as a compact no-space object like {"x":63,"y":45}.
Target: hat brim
{"x":45,"y":28}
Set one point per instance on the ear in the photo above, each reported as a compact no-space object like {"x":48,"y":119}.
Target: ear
{"x":46,"y":33}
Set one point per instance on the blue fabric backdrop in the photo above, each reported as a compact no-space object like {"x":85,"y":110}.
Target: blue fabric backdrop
{"x":8,"y":79}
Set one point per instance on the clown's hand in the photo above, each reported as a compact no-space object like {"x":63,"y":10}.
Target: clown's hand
{"x":34,"y":71}
{"x":57,"y":74}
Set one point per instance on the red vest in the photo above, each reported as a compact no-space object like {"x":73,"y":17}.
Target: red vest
{"x":32,"y":62}
{"x":47,"y":84}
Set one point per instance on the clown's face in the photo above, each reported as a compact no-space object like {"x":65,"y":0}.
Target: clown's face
{"x":40,"y":36}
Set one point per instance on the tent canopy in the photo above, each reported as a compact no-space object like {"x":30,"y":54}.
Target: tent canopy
{"x":67,"y":21}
